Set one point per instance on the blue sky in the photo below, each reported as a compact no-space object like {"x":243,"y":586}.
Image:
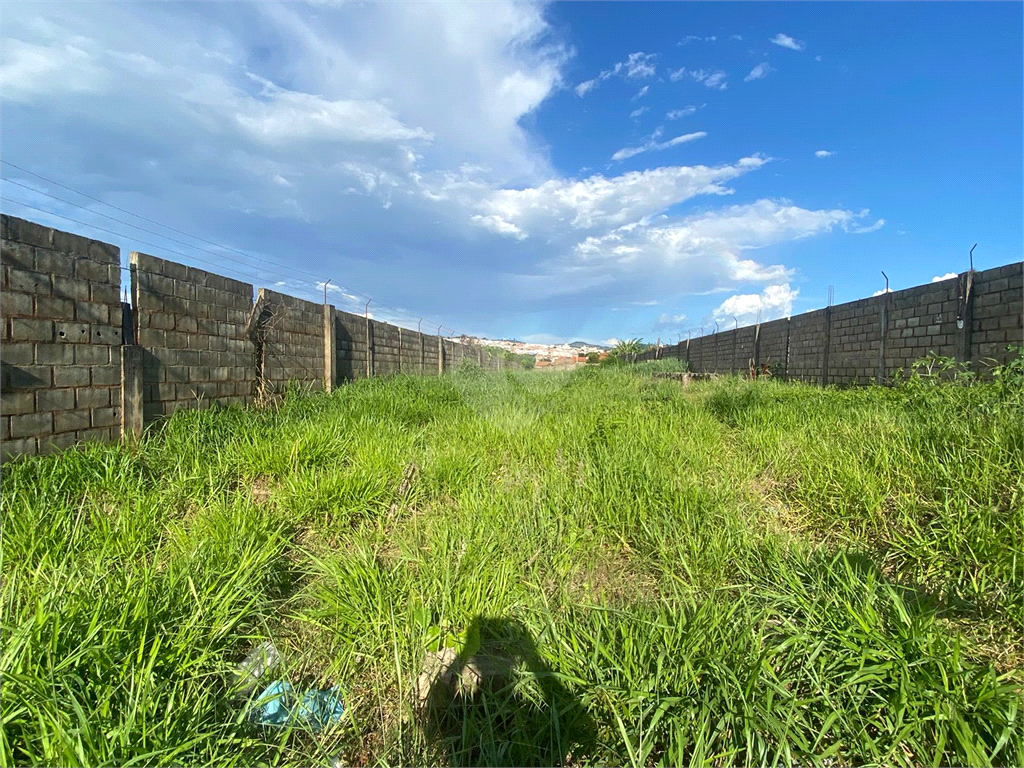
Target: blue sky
{"x":545,"y":172}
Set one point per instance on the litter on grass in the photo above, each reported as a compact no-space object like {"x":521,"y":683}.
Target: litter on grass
{"x":280,"y":705}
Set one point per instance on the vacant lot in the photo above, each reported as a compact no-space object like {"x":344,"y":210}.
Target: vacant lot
{"x":729,"y":573}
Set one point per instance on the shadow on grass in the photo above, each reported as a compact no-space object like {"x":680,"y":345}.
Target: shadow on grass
{"x":498,"y":703}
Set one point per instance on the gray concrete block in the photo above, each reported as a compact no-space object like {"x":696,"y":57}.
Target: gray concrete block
{"x":31,"y":424}
{"x":92,"y":354}
{"x":55,"y":399}
{"x":92,"y":397}
{"x":31,"y":329}
{"x":17,"y":403}
{"x":70,"y":421}
{"x":28,"y":281}
{"x":106,"y":417}
{"x":19,"y":304}
{"x":71,"y":288}
{"x":55,"y":354}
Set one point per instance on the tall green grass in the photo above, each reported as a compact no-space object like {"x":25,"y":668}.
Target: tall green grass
{"x":733,"y":572}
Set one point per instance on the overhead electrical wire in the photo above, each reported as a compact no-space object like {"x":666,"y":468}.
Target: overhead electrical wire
{"x":274,"y":272}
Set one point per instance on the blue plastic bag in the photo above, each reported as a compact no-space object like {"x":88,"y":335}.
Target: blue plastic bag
{"x":279,"y":706}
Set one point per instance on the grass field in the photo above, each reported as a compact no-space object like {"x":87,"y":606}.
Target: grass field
{"x":729,"y":573}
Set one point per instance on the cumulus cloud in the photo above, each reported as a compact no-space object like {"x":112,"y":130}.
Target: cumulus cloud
{"x":339,"y":140}
{"x":637,"y":112}
{"x":675,"y":114}
{"x":759,"y":72}
{"x":787,"y":42}
{"x":653,"y":144}
{"x":773,"y":302}
{"x":947,"y":276}
{"x":823,"y":153}
{"x":564,"y":205}
{"x":642,"y":92}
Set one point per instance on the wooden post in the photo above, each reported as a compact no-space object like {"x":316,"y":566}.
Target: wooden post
{"x":330,"y":350}
{"x":131,"y":392}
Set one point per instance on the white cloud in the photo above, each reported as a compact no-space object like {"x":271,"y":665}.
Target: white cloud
{"x":947,"y":276}
{"x":499,"y":226}
{"x":773,"y":302}
{"x":637,"y":112}
{"x":642,"y":92}
{"x":669,"y":319}
{"x":787,"y":42}
{"x":712,"y":78}
{"x":697,"y":39}
{"x":859,"y":230}
{"x":675,"y":114}
{"x":699,"y":253}
{"x":309,"y":136}
{"x":823,"y":153}
{"x":560,"y":206}
{"x":638,"y":64}
{"x":881,"y":292}
{"x":759,"y":72}
{"x":653,"y":144}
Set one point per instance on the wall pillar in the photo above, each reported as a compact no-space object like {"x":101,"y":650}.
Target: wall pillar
{"x":440,"y":355}
{"x":882,"y":329}
{"x":757,"y":350}
{"x":824,"y":352}
{"x":785,"y":359}
{"x":370,"y":362}
{"x":964,"y":316}
{"x":330,"y":350}
{"x":131,"y":392}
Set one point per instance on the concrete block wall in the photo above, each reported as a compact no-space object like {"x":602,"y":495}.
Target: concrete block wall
{"x":192,"y":326}
{"x":197,"y":338}
{"x":807,"y":346}
{"x":998,"y":314}
{"x":351,"y":347}
{"x":920,"y":319}
{"x":293,"y":341}
{"x":853,"y":341}
{"x":385,"y":348}
{"x":841,"y":344}
{"x":60,"y":338}
{"x":772,"y":345}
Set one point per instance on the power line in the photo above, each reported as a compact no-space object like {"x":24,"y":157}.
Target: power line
{"x":320,"y":280}
{"x":173,"y":229}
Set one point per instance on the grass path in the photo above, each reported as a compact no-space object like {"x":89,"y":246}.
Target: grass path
{"x":734,"y":573}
